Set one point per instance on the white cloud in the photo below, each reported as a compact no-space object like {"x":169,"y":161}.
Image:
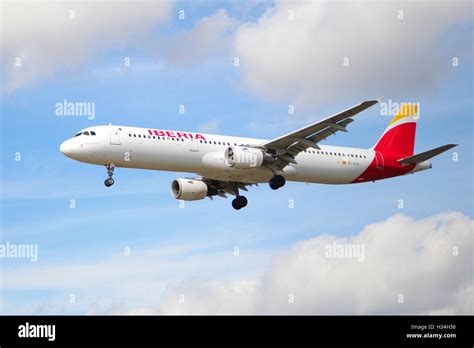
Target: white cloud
{"x":116,"y":283}
{"x":403,"y":256}
{"x":301,"y":59}
{"x":211,"y":297}
{"x":209,"y":37}
{"x":48,"y":40}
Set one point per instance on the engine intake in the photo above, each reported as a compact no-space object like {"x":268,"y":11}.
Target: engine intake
{"x":244,"y":157}
{"x":188,"y":189}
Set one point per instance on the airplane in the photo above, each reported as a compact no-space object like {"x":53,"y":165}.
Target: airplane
{"x":229,"y":164}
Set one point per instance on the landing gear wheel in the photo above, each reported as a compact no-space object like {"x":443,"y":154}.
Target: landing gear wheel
{"x":276,"y":182}
{"x":239,"y":202}
{"x":109,"y":182}
{"x":110,"y":171}
{"x":273,"y":186}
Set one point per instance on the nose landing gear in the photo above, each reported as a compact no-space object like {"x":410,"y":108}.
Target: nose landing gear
{"x":110,"y":171}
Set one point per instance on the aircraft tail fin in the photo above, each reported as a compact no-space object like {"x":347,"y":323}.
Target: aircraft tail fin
{"x":399,"y":137}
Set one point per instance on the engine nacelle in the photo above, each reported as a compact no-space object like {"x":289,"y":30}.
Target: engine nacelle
{"x":244,"y":157}
{"x":188,"y":189}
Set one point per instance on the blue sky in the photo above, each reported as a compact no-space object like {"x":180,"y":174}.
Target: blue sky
{"x":175,"y":244}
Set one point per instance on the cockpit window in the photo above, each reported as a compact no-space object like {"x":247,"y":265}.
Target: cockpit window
{"x":85,"y":133}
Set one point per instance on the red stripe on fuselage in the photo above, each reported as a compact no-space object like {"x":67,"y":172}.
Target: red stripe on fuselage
{"x":389,"y":169}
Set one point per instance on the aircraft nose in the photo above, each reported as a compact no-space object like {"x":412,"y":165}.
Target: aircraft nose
{"x":66,"y":148}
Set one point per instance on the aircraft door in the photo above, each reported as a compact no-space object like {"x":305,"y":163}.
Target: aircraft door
{"x":194,"y":145}
{"x":379,"y":162}
{"x":114,"y":135}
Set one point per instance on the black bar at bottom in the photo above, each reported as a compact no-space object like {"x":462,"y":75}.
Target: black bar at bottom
{"x":137,"y":330}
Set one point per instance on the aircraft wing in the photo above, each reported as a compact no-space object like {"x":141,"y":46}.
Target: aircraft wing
{"x":289,"y":145}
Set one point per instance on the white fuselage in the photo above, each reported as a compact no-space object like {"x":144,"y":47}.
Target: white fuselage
{"x":200,"y":153}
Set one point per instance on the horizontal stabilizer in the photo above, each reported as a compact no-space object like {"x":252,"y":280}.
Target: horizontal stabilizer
{"x":424,"y":156}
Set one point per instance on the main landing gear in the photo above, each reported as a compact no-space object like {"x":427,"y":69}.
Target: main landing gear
{"x":239,"y":202}
{"x":276,"y":182}
{"x":110,"y":171}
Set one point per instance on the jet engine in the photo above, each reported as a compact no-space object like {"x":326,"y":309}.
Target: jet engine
{"x":189,"y":189}
{"x":245,"y":157}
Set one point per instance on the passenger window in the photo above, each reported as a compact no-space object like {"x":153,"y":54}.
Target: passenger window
{"x":134,"y":135}
{"x":129,"y":135}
